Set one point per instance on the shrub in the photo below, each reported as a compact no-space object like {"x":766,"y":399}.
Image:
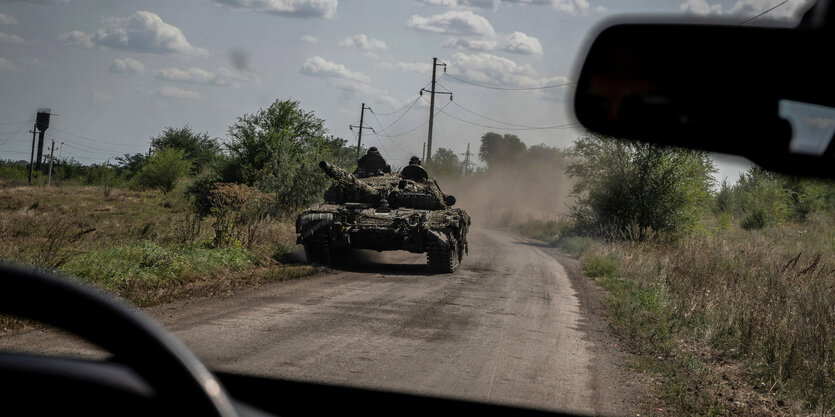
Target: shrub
{"x":239,"y":211}
{"x":164,"y":170}
{"x":633,"y":190}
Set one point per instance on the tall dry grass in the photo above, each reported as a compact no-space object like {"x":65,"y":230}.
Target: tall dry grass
{"x":764,"y":298}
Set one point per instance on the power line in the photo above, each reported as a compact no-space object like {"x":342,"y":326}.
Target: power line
{"x":23,"y":126}
{"x":96,"y":140}
{"x":398,"y":110}
{"x":763,"y":13}
{"x":508,"y":88}
{"x":411,"y":105}
{"x":506,"y":123}
{"x":565,"y":126}
{"x":418,"y":126}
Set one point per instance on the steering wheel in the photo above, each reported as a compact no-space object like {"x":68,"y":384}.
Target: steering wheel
{"x":180,"y":381}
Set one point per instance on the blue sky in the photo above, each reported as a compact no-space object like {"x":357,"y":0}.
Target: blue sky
{"x":118,"y":72}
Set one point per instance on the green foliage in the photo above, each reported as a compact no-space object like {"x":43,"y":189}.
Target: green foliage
{"x":632,"y":190}
{"x":445,"y":164}
{"x":164,"y":170}
{"x":496,"y":149}
{"x":278,"y":150}
{"x":129,"y":165}
{"x":238,"y":210}
{"x":199,"y":148}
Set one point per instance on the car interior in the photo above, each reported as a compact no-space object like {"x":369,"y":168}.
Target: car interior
{"x":687,"y":83}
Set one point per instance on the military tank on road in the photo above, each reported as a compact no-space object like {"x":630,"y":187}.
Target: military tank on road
{"x":384,"y":212}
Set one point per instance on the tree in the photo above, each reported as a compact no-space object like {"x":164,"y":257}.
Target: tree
{"x":445,"y":164}
{"x":164,"y":170}
{"x":278,"y":150}
{"x":198,"y":147}
{"x":129,"y":165}
{"x":499,"y":150}
{"x":628,"y":189}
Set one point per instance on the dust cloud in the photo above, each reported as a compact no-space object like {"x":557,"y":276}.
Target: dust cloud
{"x":512,"y":193}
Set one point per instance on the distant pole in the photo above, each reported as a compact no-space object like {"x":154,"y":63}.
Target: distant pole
{"x":32,"y":155}
{"x":467,"y":159}
{"x":361,"y":127}
{"x":51,"y":154}
{"x":423,"y":152}
{"x":60,"y":149}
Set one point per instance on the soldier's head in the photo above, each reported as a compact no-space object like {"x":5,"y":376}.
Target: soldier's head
{"x":373,"y":150}
{"x":414,"y":161}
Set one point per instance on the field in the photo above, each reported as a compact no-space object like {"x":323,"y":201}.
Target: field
{"x":728,"y":321}
{"x":144,"y":247}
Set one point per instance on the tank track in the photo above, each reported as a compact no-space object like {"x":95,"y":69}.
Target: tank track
{"x":442,"y":259}
{"x":317,"y":249}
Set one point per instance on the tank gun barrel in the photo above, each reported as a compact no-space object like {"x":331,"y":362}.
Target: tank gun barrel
{"x":346,"y":179}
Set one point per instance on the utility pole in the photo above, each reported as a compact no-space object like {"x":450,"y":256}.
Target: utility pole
{"x":32,"y":155}
{"x":51,"y":154}
{"x":423,"y":152}
{"x":467,"y":159}
{"x":435,"y":65}
{"x":361,"y":127}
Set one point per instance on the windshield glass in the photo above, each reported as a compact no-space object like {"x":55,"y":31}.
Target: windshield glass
{"x":465,"y":237}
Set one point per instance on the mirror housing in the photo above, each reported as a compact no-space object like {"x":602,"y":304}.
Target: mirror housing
{"x":449,"y":200}
{"x":760,"y":92}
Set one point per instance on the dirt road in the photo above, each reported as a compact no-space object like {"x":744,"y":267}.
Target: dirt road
{"x":507,"y":327}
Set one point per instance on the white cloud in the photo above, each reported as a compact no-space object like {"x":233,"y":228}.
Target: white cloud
{"x":565,"y":6}
{"x":142,"y":31}
{"x":191,"y":75}
{"x":496,"y":70}
{"x":241,"y":75}
{"x":748,"y":8}
{"x":77,"y":38}
{"x":7,"y":20}
{"x":453,"y":22}
{"x":361,"y":41}
{"x":4,"y":38}
{"x":126,"y":66}
{"x":754,"y":7}
{"x":319,"y":67}
{"x":175,"y":92}
{"x":516,"y":42}
{"x":290,"y":8}
{"x":521,"y":43}
{"x":700,"y":7}
{"x":417,"y":67}
{"x":482,"y":4}
{"x":309,"y":39}
{"x":5,"y":64}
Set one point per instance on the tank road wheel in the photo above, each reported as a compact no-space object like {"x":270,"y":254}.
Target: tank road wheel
{"x":318,"y":250}
{"x":443,"y":259}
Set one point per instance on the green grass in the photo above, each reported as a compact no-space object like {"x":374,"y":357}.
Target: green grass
{"x":139,"y":245}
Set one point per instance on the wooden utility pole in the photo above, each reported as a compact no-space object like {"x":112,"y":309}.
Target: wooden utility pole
{"x":361,"y":127}
{"x":423,"y":152}
{"x":32,"y":155}
{"x":51,"y":154}
{"x":435,"y":65}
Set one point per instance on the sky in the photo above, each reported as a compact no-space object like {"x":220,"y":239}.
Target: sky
{"x":117,"y":72}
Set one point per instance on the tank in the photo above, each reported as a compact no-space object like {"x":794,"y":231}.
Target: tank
{"x":397,"y":211}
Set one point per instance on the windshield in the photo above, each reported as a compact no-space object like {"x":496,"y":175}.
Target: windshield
{"x":466,"y":237}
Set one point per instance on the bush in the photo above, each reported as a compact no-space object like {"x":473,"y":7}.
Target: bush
{"x":164,"y":170}
{"x":239,"y":211}
{"x":634,"y":190}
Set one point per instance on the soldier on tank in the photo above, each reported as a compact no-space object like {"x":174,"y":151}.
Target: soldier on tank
{"x":414,"y":171}
{"x":372,"y":164}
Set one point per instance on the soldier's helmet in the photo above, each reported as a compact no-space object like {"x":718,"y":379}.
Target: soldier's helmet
{"x":373,"y":149}
{"x":414,"y":160}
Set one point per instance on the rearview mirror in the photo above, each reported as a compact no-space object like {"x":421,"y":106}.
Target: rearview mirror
{"x":764,"y":93}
